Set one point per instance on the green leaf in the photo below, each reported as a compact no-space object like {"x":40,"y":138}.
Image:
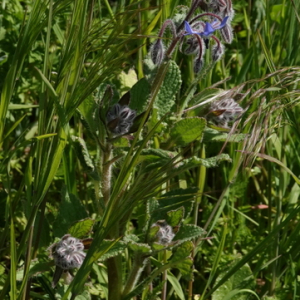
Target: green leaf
{"x":207,"y":162}
{"x":158,"y":247}
{"x":36,"y":268}
{"x":81,"y":228}
{"x":204,"y":95}
{"x":140,"y":93}
{"x":187,"y":130}
{"x":89,"y":112}
{"x":212,"y":135}
{"x":187,"y":232}
{"x":139,"y":248}
{"x":127,"y":80}
{"x":70,"y":211}
{"x":111,"y":248}
{"x":153,"y":232}
{"x":182,"y":260}
{"x":174,"y":217}
{"x":84,"y":157}
{"x":182,"y":251}
{"x":13,"y":106}
{"x":173,"y":200}
{"x":166,"y":96}
{"x":241,"y":279}
{"x":176,"y":285}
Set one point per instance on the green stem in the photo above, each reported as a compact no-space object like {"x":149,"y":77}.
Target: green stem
{"x":135,"y":272}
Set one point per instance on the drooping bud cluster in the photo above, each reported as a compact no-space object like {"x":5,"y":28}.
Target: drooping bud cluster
{"x":225,"y":111}
{"x":68,"y":253}
{"x":217,"y":16}
{"x":119,"y":119}
{"x":165,"y":234}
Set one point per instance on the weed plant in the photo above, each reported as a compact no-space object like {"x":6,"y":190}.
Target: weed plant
{"x":149,"y":149}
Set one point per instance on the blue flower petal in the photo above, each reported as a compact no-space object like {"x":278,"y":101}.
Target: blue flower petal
{"x":223,"y":23}
{"x":208,"y":30}
{"x":188,"y":28}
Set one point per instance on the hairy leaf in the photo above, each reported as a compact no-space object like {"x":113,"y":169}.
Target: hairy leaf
{"x":187,"y":130}
{"x":171,"y":85}
{"x":81,"y":228}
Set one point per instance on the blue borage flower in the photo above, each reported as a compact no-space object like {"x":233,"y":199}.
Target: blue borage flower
{"x":209,"y":28}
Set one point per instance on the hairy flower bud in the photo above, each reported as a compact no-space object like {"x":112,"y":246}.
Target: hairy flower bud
{"x":165,"y":233}
{"x":68,"y":253}
{"x":217,"y":52}
{"x":157,"y":52}
{"x":227,"y":33}
{"x":198,"y":64}
{"x":224,"y":111}
{"x":120,"y":118}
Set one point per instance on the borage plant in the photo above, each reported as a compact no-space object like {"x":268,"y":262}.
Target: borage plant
{"x":126,"y":224}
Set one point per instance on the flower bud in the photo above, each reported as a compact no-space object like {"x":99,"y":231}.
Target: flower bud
{"x":224,"y":111}
{"x":165,"y":233}
{"x":120,"y":118}
{"x":157,"y":52}
{"x":227,"y":33}
{"x":217,"y":52}
{"x":68,"y":253}
{"x":198,"y":64}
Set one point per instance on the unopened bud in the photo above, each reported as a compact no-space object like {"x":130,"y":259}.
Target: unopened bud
{"x":157,"y":52}
{"x":198,"y":65}
{"x":165,"y":233}
{"x":227,"y":33}
{"x":68,"y":253}
{"x":120,"y":118}
{"x":217,"y":52}
{"x":224,"y":111}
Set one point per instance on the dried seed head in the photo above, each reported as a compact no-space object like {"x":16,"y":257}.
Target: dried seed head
{"x":217,"y":52}
{"x":68,"y":253}
{"x":165,"y":233}
{"x":225,"y":111}
{"x":157,"y":52}
{"x":120,"y":118}
{"x":227,"y":33}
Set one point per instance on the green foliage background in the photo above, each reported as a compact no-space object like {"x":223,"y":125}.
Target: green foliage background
{"x":233,"y":196}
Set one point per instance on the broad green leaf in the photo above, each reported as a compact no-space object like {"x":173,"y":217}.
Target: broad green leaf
{"x":153,"y":232}
{"x":182,"y":251}
{"x":127,"y":80}
{"x":84,"y":157}
{"x":70,"y":211}
{"x":241,"y":279}
{"x":182,"y":260}
{"x":187,"y":232}
{"x":207,"y":162}
{"x":139,"y":95}
{"x":158,"y":247}
{"x":89,"y":112}
{"x":36,"y":268}
{"x":212,"y":135}
{"x":187,"y":130}
{"x":174,"y":217}
{"x":140,"y":248}
{"x":171,"y":85}
{"x":82,"y":228}
{"x":111,"y":248}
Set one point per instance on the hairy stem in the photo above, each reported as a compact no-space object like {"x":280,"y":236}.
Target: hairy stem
{"x":135,"y":272}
